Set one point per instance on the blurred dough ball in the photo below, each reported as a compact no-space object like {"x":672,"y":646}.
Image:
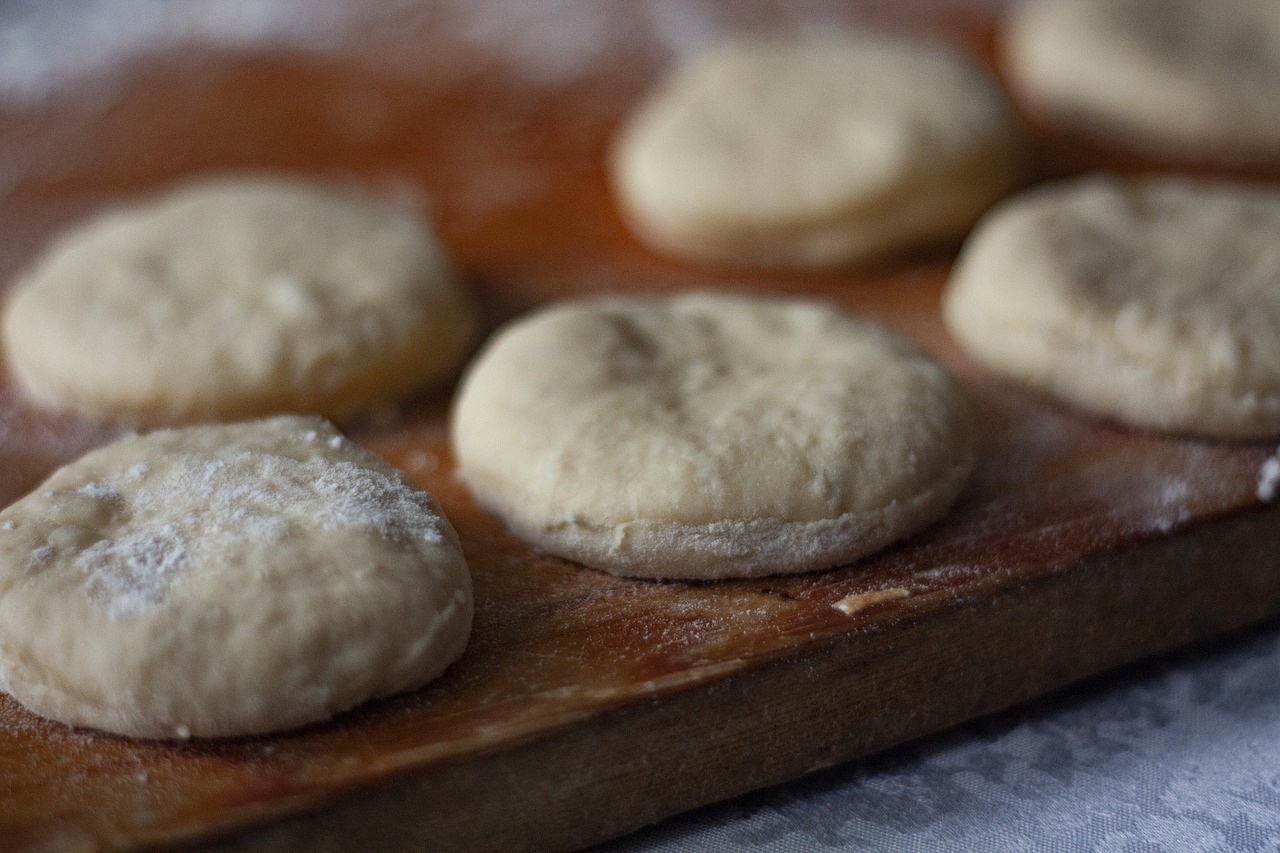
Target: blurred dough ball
{"x":1188,"y":78}
{"x":814,"y":153}
{"x":1155,"y":303}
{"x":233,"y":298}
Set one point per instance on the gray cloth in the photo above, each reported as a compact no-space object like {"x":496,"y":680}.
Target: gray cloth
{"x":1182,"y":754}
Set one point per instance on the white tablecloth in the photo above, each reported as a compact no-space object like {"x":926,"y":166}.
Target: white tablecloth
{"x":1180,"y":754}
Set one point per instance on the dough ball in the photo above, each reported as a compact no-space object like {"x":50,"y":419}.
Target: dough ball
{"x":226,"y":580}
{"x":237,"y":298}
{"x":709,"y":436}
{"x":1156,"y":302}
{"x":1194,"y":78}
{"x":814,"y":153}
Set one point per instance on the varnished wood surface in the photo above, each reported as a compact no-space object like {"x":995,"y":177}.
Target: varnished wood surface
{"x":587,"y":705}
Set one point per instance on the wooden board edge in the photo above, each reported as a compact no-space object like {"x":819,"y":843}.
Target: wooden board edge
{"x":834,"y":703}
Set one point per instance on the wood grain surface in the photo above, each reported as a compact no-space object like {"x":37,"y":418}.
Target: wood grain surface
{"x":588,"y":705}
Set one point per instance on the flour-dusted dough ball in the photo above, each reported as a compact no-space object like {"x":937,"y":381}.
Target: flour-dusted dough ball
{"x":709,"y":436}
{"x":236,"y":298}
{"x":226,"y":580}
{"x":1192,"y":78}
{"x":814,"y":153}
{"x":1156,"y":303}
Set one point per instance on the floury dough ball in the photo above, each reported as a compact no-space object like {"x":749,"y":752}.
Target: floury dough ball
{"x":814,"y":153}
{"x":708,"y":436}
{"x":226,"y":580}
{"x":1188,"y":78}
{"x":237,"y":298}
{"x":1153,"y":302}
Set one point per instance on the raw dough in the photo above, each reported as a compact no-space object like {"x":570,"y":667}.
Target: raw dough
{"x":235,"y":298}
{"x":814,"y":153}
{"x":709,"y":436}
{"x":1192,"y":78}
{"x":1156,"y":302}
{"x":226,"y":580}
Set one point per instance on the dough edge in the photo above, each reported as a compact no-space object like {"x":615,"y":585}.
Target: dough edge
{"x":926,"y":212}
{"x":734,"y":548}
{"x":134,"y":721}
{"x":1106,"y":384}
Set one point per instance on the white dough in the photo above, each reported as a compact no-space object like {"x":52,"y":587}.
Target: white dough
{"x":226,"y":580}
{"x":1192,"y":78}
{"x":708,"y":436}
{"x":235,"y":298}
{"x":814,"y":153}
{"x":1155,"y":302}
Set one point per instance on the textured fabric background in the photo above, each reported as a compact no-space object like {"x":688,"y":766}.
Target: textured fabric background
{"x":1181,"y":754}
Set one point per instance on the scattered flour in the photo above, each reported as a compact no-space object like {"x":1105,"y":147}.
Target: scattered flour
{"x":99,"y":492}
{"x":337,"y":495}
{"x":51,"y":46}
{"x":134,"y":534}
{"x":1173,"y":507}
{"x":1269,"y":478}
{"x":134,"y":573}
{"x":421,"y":461}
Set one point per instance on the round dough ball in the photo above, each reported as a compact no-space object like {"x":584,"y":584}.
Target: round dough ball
{"x":226,"y":580}
{"x":1156,"y":302}
{"x":709,"y":436}
{"x":1197,"y":79}
{"x":236,"y":298}
{"x":814,"y":153}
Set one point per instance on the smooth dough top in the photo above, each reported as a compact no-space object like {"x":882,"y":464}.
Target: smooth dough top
{"x":1197,"y":79}
{"x":236,"y":298}
{"x":226,"y":580}
{"x":814,"y":152}
{"x":708,"y":436}
{"x":1154,"y":302}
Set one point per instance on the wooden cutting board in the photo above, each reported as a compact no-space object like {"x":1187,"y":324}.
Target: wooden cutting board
{"x":587,"y":705}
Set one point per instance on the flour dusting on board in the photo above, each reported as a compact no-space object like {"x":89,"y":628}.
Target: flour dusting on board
{"x":1173,"y":505}
{"x":1269,"y":478}
{"x":1172,"y":489}
{"x":52,"y":46}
